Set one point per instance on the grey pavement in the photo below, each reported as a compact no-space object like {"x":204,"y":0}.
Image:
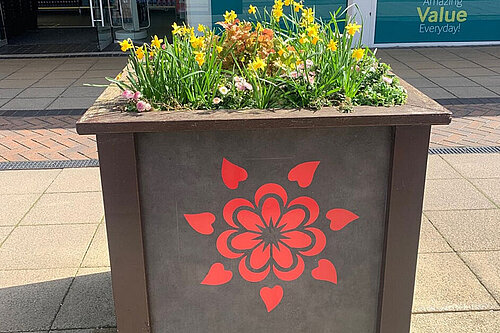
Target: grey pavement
{"x":55,"y":274}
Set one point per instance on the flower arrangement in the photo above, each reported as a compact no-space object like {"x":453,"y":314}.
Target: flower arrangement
{"x":282,"y":58}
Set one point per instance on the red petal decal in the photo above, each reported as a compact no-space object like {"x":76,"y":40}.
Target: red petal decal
{"x":222,"y":245}
{"x":202,"y":222}
{"x":291,"y":274}
{"x":339,"y":218}
{"x":232,"y":174}
{"x":217,"y":275}
{"x":271,"y":296}
{"x":303,"y":173}
{"x":252,"y":276}
{"x":325,"y":271}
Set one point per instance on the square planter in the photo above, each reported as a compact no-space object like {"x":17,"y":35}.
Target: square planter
{"x":263,"y":221}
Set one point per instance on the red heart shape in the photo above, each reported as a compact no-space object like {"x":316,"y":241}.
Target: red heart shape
{"x":303,"y":173}
{"x":271,"y":296}
{"x":339,"y":218}
{"x":202,"y":222}
{"x":232,"y":174}
{"x":325,"y":271}
{"x":217,"y":275}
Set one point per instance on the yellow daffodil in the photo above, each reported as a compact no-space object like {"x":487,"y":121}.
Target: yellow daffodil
{"x":358,"y":54}
{"x":201,"y":28}
{"x":151,"y":54}
{"x":218,"y":48}
{"x":257,"y":64}
{"x":297,"y":6}
{"x":252,"y":9}
{"x":196,"y":42}
{"x":315,"y":40}
{"x":230,"y":16}
{"x":277,"y":11}
{"x":156,"y":42}
{"x":313,"y":30}
{"x":288,"y":2}
{"x":281,"y":52}
{"x":308,"y":16}
{"x":139,"y":52}
{"x":332,"y":45}
{"x":176,"y":29}
{"x":199,"y":57}
{"x":303,"y":39}
{"x":258,"y":27}
{"x":352,"y":28}
{"x":126,"y":45}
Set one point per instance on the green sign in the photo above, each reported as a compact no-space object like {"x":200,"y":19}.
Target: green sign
{"x":410,"y":21}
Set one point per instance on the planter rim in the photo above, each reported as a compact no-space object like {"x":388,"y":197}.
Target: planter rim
{"x":105,"y":117}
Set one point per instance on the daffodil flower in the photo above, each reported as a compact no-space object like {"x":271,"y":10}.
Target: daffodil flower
{"x":352,"y":28}
{"x":139,"y":52}
{"x":126,"y":45}
{"x":358,"y":54}
{"x":201,"y":28}
{"x":257,"y":64}
{"x":332,"y":45}
{"x":252,"y":9}
{"x":230,"y":16}
{"x":176,"y":29}
{"x":196,"y":42}
{"x":199,"y":57}
{"x":156,"y":42}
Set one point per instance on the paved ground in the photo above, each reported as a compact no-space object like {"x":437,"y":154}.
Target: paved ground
{"x":55,"y":270}
{"x":39,"y":98}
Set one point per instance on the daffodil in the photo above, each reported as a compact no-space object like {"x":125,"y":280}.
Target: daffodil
{"x":358,"y":54}
{"x":288,"y":2}
{"x":303,"y":39}
{"x":297,"y":6}
{"x":156,"y":42}
{"x":230,"y":16}
{"x":313,"y":30}
{"x":218,"y":48}
{"x":281,"y":52}
{"x":257,"y":64}
{"x":139,"y":52}
{"x":252,"y":9}
{"x":199,"y":57}
{"x":352,"y":28}
{"x":332,"y":45}
{"x":258,"y":27}
{"x":126,"y":45}
{"x":201,"y":28}
{"x":315,"y":40}
{"x":307,"y":17}
{"x":151,"y":54}
{"x":277,"y":11}
{"x":196,"y":42}
{"x":176,"y":29}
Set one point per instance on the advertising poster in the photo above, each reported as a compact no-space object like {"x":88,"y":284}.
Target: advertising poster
{"x":412,"y":21}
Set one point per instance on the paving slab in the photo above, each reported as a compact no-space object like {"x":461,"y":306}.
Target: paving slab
{"x":475,"y":165}
{"x":36,"y":92}
{"x":486,"y":266}
{"x":28,"y":73}
{"x":28,"y":103}
{"x":490,"y":187}
{"x":437,"y":93}
{"x":54,"y":82}
{"x":454,"y":82}
{"x":438,"y":72}
{"x":468,"y":230}
{"x":472,"y":92}
{"x":15,"y":206}
{"x":98,"y":255}
{"x":453,"y":194}
{"x":4,"y":101}
{"x":89,"y":302}
{"x":41,"y":247}
{"x":437,"y":168}
{"x":77,"y":180}
{"x":456,"y":322}
{"x":66,"y":208}
{"x":407,"y":73}
{"x":430,"y":239}
{"x":467,"y":72}
{"x":72,"y":103}
{"x":22,"y":84}
{"x":87,"y":330}
{"x":445,"y":283}
{"x":421,"y":82}
{"x":26,"y":181}
{"x":83,"y":91}
{"x":30,"y":299}
{"x":64,"y":74}
{"x":9,"y":92}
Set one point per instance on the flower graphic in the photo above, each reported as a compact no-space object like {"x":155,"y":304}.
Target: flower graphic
{"x":271,"y":233}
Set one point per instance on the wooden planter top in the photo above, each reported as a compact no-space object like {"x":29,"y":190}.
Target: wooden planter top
{"x":105,"y":116}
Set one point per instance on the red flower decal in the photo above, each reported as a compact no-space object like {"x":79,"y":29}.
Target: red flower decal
{"x":270,"y":233}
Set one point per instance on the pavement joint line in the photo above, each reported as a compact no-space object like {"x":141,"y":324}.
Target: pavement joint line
{"x":29,"y":209}
{"x":76,"y":274}
{"x":466,"y":265}
{"x":457,"y":311}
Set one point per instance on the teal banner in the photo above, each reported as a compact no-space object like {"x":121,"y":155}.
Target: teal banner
{"x":323,"y":7}
{"x":411,"y":21}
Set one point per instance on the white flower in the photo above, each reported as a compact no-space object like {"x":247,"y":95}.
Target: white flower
{"x":387,"y":80}
{"x":217,"y":100}
{"x":309,"y":63}
{"x":223,"y":90}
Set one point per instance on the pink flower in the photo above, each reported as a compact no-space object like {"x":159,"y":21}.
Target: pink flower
{"x":387,"y":80}
{"x":137,"y":95}
{"x":248,"y":86}
{"x":217,"y":100}
{"x":163,"y":46}
{"x":143,"y":106}
{"x":294,"y":75}
{"x":127,"y":94}
{"x":309,"y":63}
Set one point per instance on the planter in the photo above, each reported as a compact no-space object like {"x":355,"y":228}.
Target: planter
{"x":244,"y":221}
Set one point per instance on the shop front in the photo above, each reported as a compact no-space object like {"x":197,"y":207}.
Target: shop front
{"x":95,"y":25}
